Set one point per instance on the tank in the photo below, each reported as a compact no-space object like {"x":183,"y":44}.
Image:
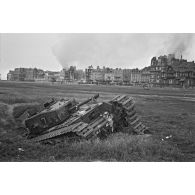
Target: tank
{"x":87,"y":119}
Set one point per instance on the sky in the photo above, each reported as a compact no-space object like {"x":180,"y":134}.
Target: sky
{"x":56,"y":51}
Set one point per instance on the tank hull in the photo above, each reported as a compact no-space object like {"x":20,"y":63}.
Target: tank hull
{"x":88,"y":119}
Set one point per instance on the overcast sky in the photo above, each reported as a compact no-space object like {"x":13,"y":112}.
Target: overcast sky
{"x":54,"y":51}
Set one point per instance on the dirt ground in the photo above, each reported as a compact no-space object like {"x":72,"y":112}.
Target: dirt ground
{"x":169,"y":114}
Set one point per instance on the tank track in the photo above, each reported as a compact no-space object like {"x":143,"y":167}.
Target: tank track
{"x":93,"y":128}
{"x":132,"y":117}
{"x":52,"y":134}
{"x":87,"y":130}
{"x":81,"y":129}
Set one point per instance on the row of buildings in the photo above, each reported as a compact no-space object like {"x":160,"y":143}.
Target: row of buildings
{"x":33,"y":74}
{"x":117,"y":76}
{"x":25,"y":74}
{"x":162,"y":71}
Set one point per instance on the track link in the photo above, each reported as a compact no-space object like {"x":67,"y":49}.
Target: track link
{"x":93,"y":128}
{"x":132,"y":117}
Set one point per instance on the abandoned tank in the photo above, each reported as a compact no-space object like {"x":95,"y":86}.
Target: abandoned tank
{"x":85,"y":119}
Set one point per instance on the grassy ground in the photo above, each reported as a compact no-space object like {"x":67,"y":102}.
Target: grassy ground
{"x":169,"y":113}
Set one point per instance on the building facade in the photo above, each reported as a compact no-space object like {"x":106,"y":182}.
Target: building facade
{"x":135,"y":76}
{"x":163,"y":71}
{"x":118,"y":75}
{"x":145,"y":75}
{"x":88,"y":74}
{"x":25,"y":74}
{"x":170,"y":71}
{"x":127,"y":76}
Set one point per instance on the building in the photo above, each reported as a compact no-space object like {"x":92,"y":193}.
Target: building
{"x":25,"y":74}
{"x":170,"y":71}
{"x":109,"y":77}
{"x":79,"y":75}
{"x":127,"y":76}
{"x":50,"y":76}
{"x":88,"y":74}
{"x":157,"y":69}
{"x":34,"y":74}
{"x":97,"y":76}
{"x":184,"y":75}
{"x":135,"y":76}
{"x":118,"y":75}
{"x":68,"y":74}
{"x":17,"y":75}
{"x":145,"y":75}
{"x":71,"y":74}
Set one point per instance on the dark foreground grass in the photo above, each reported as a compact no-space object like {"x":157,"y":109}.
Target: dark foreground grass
{"x":171,"y":122}
{"x":117,"y":147}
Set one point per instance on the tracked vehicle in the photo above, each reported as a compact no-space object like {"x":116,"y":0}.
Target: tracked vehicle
{"x":86,"y":119}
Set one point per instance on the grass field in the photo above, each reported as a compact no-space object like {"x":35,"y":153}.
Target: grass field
{"x":169,"y":113}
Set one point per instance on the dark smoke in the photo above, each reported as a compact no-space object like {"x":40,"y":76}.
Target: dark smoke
{"x":180,"y":44}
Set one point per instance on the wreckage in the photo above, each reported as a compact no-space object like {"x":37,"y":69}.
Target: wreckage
{"x":86,"y":119}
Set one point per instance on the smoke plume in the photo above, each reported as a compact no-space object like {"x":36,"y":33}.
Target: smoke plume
{"x":120,"y":50}
{"x":179,"y":44}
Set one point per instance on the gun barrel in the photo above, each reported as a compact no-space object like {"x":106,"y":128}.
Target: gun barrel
{"x":85,"y":102}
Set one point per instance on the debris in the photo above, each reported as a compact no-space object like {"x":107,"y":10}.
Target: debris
{"x":168,"y":137}
{"x":21,"y":149}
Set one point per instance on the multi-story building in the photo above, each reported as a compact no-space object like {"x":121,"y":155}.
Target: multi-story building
{"x":10,"y":75}
{"x":34,"y":74}
{"x":51,"y":75}
{"x":25,"y":74}
{"x":157,"y":68}
{"x":88,"y":74}
{"x":71,"y":74}
{"x":118,"y":75}
{"x":184,"y":75}
{"x":97,"y":76}
{"x":109,"y":77}
{"x":168,"y":70}
{"x":145,"y":75}
{"x":127,"y":76}
{"x":79,"y":75}
{"x":135,"y":76}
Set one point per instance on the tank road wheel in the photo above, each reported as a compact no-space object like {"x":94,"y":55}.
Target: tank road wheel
{"x":133,"y":120}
